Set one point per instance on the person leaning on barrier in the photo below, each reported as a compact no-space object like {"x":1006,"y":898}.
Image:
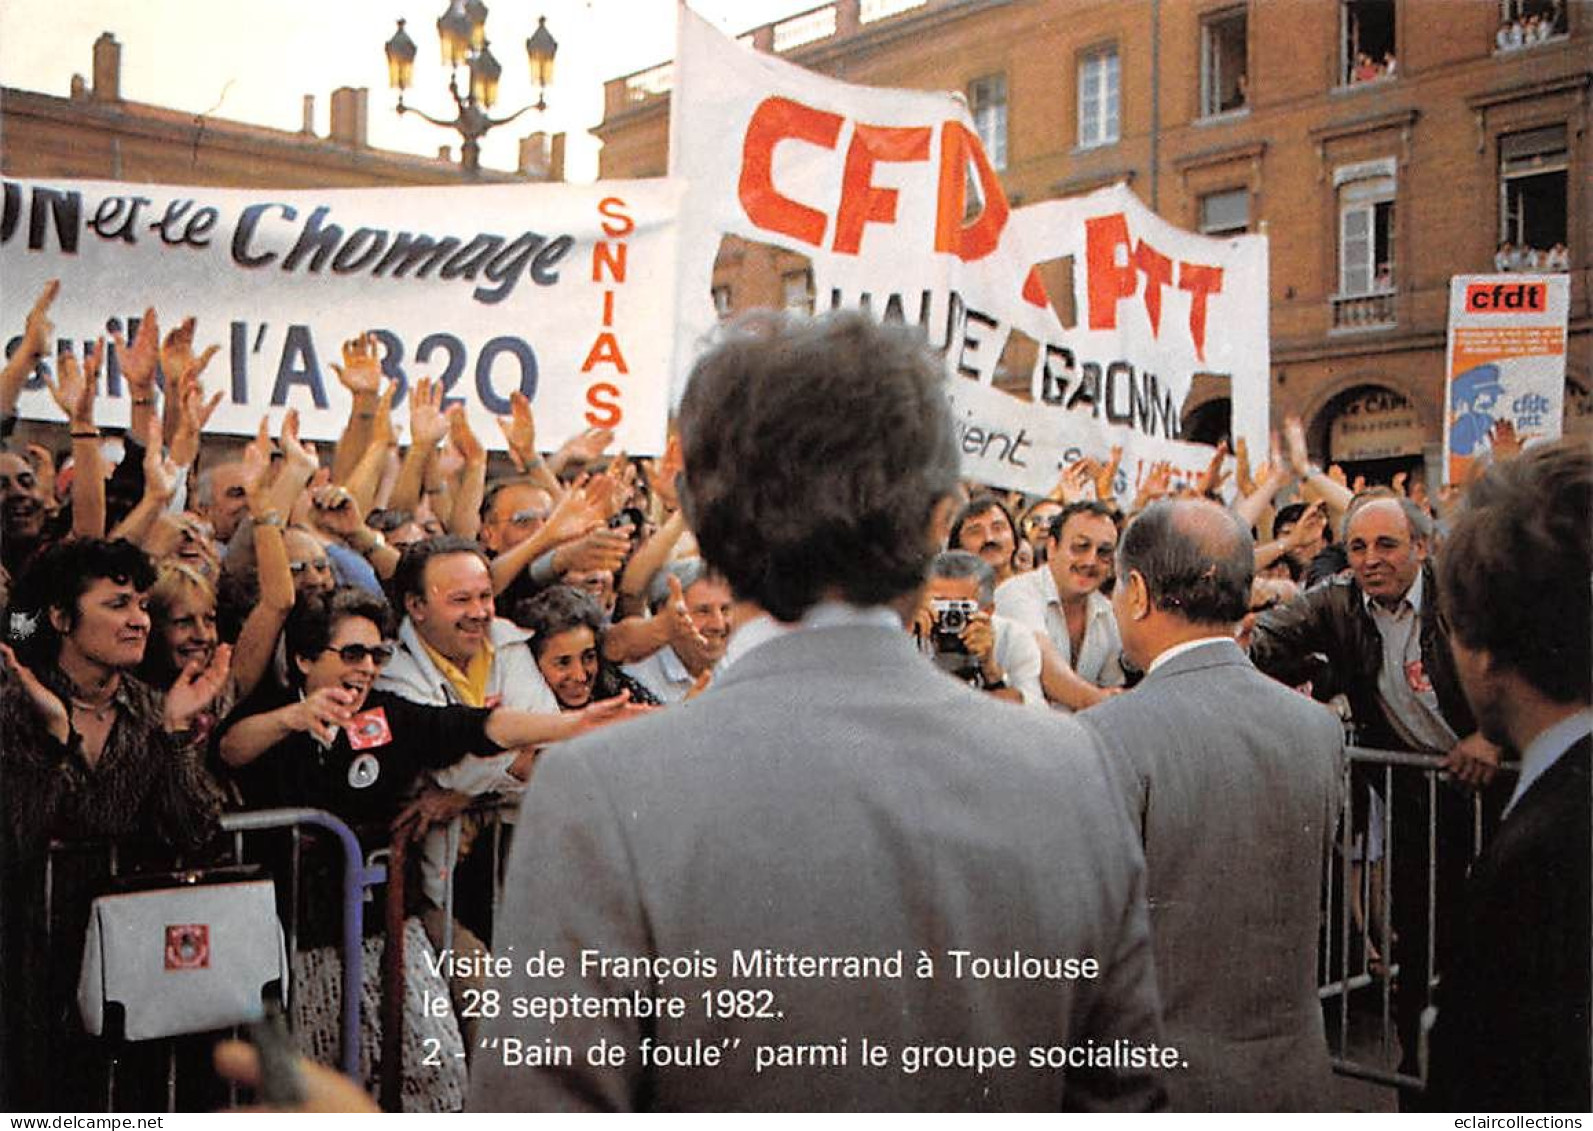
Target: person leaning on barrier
{"x":692,"y":605}
{"x":1234,"y":781}
{"x":1388,"y":651}
{"x":308,"y":745}
{"x":1514,"y":1008}
{"x":87,"y":750}
{"x":1062,"y":604}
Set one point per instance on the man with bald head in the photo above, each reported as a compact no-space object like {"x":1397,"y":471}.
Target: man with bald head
{"x":1388,"y":652}
{"x":1233,"y":782}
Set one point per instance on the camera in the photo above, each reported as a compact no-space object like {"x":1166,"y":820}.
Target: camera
{"x":951,"y":617}
{"x":945,"y":637}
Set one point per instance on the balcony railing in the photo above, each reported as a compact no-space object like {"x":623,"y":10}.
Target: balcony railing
{"x":1372,"y":311}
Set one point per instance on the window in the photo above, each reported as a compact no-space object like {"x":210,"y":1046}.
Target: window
{"x":1223,"y":72}
{"x":1526,"y":23}
{"x":987,"y":100}
{"x":1533,"y":171}
{"x":796,"y":289}
{"x":1368,"y":44}
{"x":1366,"y":237}
{"x":1366,"y":294}
{"x":1225,"y":213}
{"x":1098,"y":98}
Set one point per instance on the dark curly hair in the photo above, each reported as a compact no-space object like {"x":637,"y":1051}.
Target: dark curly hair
{"x":816,"y":451}
{"x":556,"y":609}
{"x":315,"y":617}
{"x":58,"y":578}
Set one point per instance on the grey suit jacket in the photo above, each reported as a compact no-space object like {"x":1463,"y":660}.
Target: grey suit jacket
{"x":1236,"y":782}
{"x":831,"y":795}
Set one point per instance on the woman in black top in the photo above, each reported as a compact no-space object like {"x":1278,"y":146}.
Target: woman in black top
{"x":335,"y":743}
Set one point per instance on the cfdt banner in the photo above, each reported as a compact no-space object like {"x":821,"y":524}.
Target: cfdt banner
{"x":1096,"y":308}
{"x":1506,"y":362}
{"x":563,"y":292}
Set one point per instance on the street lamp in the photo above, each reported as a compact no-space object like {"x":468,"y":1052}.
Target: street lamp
{"x":462,"y":36}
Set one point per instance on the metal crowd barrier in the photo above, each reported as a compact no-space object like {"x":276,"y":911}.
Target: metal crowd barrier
{"x":357,"y":877}
{"x":1389,"y":888}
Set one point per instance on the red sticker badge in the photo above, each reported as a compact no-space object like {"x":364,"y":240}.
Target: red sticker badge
{"x":1416,"y":677}
{"x":187,"y":946}
{"x":368,"y":729}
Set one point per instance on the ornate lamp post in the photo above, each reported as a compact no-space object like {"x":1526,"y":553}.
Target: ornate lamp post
{"x":462,"y":34}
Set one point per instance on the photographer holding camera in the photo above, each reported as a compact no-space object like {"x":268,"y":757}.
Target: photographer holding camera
{"x":957,"y":626}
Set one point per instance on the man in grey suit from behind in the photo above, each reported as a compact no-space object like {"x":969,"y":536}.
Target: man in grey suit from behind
{"x":831,"y":796}
{"x":1235,"y":782}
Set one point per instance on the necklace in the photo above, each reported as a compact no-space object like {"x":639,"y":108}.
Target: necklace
{"x":99,"y":709}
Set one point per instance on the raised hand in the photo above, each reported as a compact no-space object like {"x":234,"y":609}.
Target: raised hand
{"x":1294,"y":437}
{"x":177,"y":358}
{"x":584,"y":448}
{"x":1071,"y":483}
{"x":683,"y":634}
{"x":197,"y":684}
{"x":1503,"y":440}
{"x":322,"y":712}
{"x":1214,"y":476}
{"x":56,"y":718}
{"x":427,"y":424}
{"x":1106,"y":476}
{"x":1308,"y":530}
{"x":160,"y":470}
{"x":139,"y":359}
{"x":298,"y":454}
{"x":606,"y":711}
{"x":520,"y":432}
{"x":361,"y":371}
{"x":74,"y":388}
{"x":464,"y":440}
{"x":333,"y":510}
{"x":194,"y":412}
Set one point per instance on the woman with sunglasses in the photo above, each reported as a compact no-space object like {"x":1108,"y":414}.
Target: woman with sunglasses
{"x":334,"y":742}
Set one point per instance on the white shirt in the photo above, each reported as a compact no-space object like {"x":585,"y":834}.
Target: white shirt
{"x":1017,"y":654}
{"x":664,"y":674}
{"x":1032,"y":600}
{"x":1545,"y":750}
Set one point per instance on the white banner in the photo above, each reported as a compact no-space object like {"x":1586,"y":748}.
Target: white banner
{"x":1506,"y":355}
{"x":889,"y":195}
{"x":561,"y":291}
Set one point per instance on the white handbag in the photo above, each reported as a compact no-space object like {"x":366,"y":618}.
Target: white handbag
{"x":185,"y":959}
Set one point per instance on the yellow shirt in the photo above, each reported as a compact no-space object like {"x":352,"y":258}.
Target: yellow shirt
{"x":470,"y":684}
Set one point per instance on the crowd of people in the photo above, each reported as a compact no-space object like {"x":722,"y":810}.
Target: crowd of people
{"x":396,"y":633}
{"x":1553,"y":259}
{"x":1531,"y":29}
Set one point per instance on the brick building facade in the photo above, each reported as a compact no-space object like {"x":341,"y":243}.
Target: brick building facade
{"x":1381,"y":145}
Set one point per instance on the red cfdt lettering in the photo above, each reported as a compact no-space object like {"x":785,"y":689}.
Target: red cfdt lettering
{"x":863,"y":202}
{"x":1110,"y":280}
{"x":1506,"y":298}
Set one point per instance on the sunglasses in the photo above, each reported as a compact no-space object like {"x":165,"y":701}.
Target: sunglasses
{"x":528,"y":517}
{"x":313,"y":563}
{"x":23,"y":479}
{"x":354,"y":653}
